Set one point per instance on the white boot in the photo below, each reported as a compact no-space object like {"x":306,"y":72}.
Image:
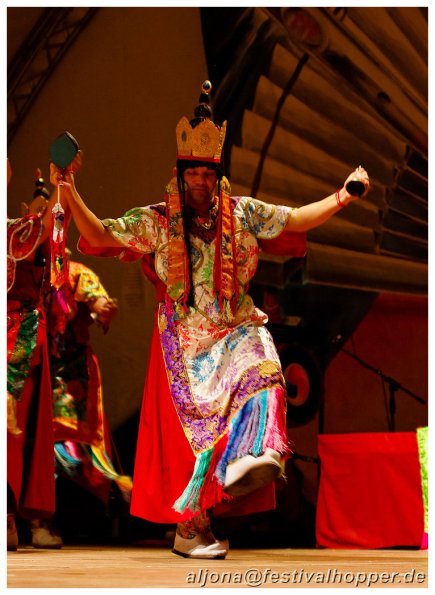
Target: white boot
{"x":44,"y":535}
{"x":199,"y":547}
{"x":194,"y":539}
{"x":249,"y":473}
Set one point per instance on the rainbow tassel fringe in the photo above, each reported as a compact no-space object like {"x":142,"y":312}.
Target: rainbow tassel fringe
{"x":259,"y":424}
{"x":65,"y":459}
{"x":70,"y":455}
{"x":189,"y":499}
{"x":101,"y":461}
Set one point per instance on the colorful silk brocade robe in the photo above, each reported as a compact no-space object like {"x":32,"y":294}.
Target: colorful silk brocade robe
{"x":225,"y":377}
{"x":79,"y":422}
{"x":23,"y":312}
{"x":30,"y":465}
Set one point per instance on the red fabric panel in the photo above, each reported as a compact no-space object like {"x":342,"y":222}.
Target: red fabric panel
{"x":164,"y":460}
{"x":30,"y":458}
{"x":370,"y":491}
{"x":288,"y":243}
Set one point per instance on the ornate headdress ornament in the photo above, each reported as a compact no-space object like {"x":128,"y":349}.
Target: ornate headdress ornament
{"x":203,"y":141}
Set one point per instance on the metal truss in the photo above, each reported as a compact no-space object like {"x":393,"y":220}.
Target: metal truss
{"x":38,"y":56}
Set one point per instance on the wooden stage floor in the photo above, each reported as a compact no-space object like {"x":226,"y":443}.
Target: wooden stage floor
{"x":142,"y":567}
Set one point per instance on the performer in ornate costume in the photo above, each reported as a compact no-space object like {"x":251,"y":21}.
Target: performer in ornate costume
{"x":82,"y":438}
{"x":212,"y":426}
{"x":30,"y":461}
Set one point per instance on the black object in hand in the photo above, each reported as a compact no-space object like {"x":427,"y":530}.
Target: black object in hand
{"x":63,"y":150}
{"x":355,"y":187}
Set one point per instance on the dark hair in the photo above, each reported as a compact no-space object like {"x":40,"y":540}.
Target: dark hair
{"x":203,"y":111}
{"x":183,"y":164}
{"x":40,"y":189}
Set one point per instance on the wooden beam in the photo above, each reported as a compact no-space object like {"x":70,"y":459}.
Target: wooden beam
{"x":344,"y":268}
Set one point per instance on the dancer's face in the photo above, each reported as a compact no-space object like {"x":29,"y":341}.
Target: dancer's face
{"x":201,"y":183}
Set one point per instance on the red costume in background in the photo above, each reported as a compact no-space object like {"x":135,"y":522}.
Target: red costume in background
{"x":30,"y":460}
{"x":82,"y":438}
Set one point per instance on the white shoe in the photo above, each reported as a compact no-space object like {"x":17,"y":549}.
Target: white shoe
{"x":200,"y":546}
{"x":250,"y":473}
{"x":44,"y":535}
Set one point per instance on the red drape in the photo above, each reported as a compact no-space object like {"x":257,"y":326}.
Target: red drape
{"x":30,"y":457}
{"x":370,"y":492}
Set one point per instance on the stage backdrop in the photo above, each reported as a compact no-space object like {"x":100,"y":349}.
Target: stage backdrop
{"x":120,"y":90}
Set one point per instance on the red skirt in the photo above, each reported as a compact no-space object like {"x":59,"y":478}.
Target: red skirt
{"x":30,"y":456}
{"x":164,"y":459}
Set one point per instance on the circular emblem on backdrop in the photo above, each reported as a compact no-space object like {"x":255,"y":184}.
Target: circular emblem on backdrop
{"x":304,"y":383}
{"x":303,"y":27}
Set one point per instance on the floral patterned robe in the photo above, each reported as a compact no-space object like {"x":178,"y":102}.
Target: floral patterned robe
{"x":213,"y":367}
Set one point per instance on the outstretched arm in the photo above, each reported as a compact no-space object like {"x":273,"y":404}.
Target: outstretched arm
{"x":88,"y":224}
{"x":312,"y":215}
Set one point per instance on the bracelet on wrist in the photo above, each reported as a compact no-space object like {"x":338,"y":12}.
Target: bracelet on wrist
{"x":337,"y":198}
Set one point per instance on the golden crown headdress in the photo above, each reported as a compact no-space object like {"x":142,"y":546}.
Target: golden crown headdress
{"x":200,"y":140}
{"x":204,"y":140}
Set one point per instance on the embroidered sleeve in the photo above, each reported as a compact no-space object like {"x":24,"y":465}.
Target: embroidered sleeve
{"x":87,"y":284}
{"x":23,"y":235}
{"x":265,"y":221}
{"x":137,"y":229}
